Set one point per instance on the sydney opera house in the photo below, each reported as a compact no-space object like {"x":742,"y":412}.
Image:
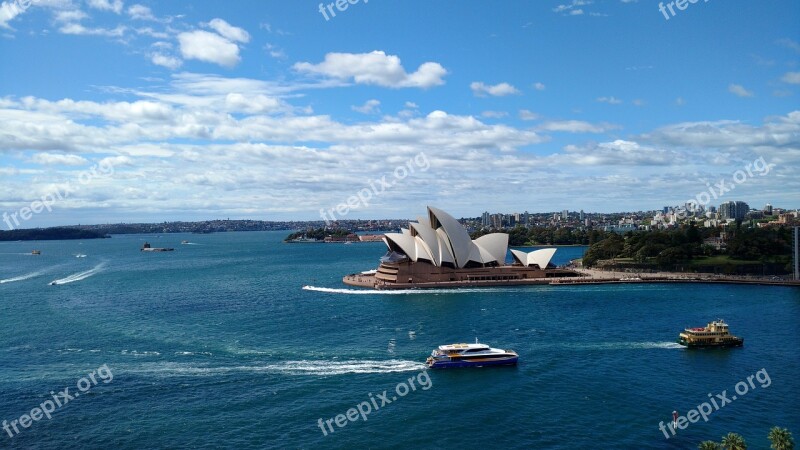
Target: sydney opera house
{"x":437,"y":251}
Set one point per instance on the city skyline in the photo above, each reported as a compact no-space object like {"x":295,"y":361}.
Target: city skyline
{"x":118,"y":111}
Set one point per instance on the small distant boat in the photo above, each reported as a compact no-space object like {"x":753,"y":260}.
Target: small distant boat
{"x":184,"y":242}
{"x":470,"y":355}
{"x":80,"y":255}
{"x":36,"y":252}
{"x":715,"y":334}
{"x":147,"y":248}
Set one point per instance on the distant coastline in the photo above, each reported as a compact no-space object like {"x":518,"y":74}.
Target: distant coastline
{"x":50,"y":234}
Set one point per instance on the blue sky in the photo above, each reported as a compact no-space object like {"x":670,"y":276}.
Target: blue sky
{"x":266,"y":110}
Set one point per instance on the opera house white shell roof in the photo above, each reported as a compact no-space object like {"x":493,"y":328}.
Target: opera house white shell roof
{"x":441,"y":239}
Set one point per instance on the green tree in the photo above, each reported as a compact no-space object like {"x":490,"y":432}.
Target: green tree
{"x":709,"y":445}
{"x":733,"y":441}
{"x":781,"y":439}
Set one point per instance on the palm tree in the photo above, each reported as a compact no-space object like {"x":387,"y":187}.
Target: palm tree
{"x":733,"y":441}
{"x":709,"y":445}
{"x":781,"y":439}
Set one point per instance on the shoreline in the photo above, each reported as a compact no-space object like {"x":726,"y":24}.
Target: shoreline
{"x":590,"y":277}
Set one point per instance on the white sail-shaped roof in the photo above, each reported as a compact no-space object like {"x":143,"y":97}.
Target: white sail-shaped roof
{"x":496,"y":244}
{"x":445,"y":252}
{"x":455,"y":233}
{"x":539,"y":257}
{"x":441,"y":239}
{"x":430,"y":241}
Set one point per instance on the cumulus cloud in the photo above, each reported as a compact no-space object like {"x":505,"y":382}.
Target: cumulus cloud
{"x":237,"y":141}
{"x":208,"y":47}
{"x":375,"y":68}
{"x":106,"y":5}
{"x":791,"y":78}
{"x":167,"y":61}
{"x":229,"y":31}
{"x":48,"y":159}
{"x":525,"y":114}
{"x":610,"y":100}
{"x":576,"y":126}
{"x":8,"y":11}
{"x":480,"y":89}
{"x":140,"y":12}
{"x":369,"y":107}
{"x":739,"y":90}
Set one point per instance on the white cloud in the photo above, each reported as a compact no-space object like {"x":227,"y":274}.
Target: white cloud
{"x":375,"y":68}
{"x":572,"y":8}
{"x":167,"y":61}
{"x":235,"y":141}
{"x":208,"y":47}
{"x":791,"y":78}
{"x":494,"y":114}
{"x":229,"y":31}
{"x":620,"y":152}
{"x":480,"y":89}
{"x":610,"y":100}
{"x":8,"y":11}
{"x":790,"y":44}
{"x":539,"y":86}
{"x":739,"y":90}
{"x":49,"y":159}
{"x":369,"y":107}
{"x":525,"y":114}
{"x":140,"y":12}
{"x":74,"y":15}
{"x":80,"y":30}
{"x":576,"y":126}
{"x":106,"y":5}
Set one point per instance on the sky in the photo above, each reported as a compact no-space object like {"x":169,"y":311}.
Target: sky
{"x":141,"y":111}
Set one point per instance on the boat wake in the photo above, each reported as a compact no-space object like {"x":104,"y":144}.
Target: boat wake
{"x":22,"y":277}
{"x":345,"y":367}
{"x":304,"y":367}
{"x":79,"y":276}
{"x":621,"y":346}
{"x":399,"y":291}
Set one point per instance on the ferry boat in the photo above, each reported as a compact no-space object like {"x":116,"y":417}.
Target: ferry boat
{"x":470,"y":355}
{"x":715,"y":334}
{"x":36,"y":252}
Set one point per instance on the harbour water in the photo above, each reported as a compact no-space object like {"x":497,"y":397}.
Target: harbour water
{"x":238,"y":340}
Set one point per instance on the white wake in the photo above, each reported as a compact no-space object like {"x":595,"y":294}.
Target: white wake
{"x":22,"y":277}
{"x":303,"y":367}
{"x":80,"y":276}
{"x":399,"y":291}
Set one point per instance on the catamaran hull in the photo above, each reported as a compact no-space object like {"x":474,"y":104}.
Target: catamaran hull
{"x":484,"y":363}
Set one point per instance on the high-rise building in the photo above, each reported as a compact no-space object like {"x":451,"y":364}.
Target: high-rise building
{"x":768,"y":210}
{"x":486,"y":219}
{"x":581,"y":216}
{"x":565,"y":214}
{"x":733,"y":210}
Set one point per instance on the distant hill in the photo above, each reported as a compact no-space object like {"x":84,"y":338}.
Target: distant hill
{"x":50,"y":234}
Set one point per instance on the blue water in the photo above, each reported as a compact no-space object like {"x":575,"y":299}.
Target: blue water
{"x":217,"y":345}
